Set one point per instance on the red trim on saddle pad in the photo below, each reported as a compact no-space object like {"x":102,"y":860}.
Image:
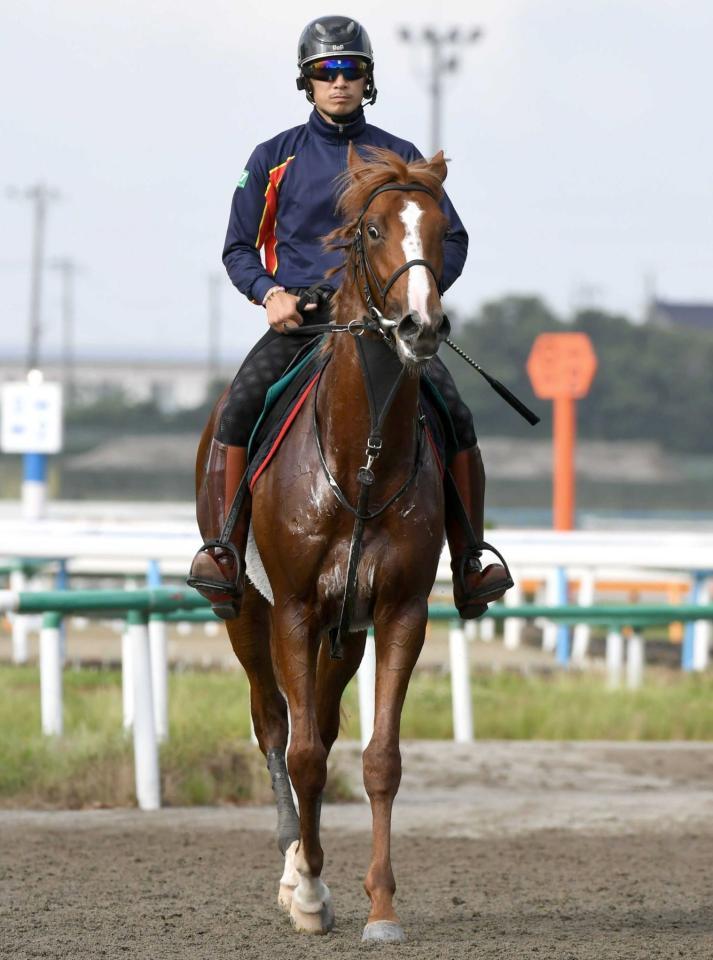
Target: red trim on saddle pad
{"x":285,"y":427}
{"x":434,"y":451}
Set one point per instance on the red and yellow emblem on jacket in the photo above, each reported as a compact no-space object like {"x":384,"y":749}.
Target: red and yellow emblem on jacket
{"x":266,"y":235}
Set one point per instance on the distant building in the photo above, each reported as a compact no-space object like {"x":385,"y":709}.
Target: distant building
{"x":177,"y":385}
{"x":670,"y":315}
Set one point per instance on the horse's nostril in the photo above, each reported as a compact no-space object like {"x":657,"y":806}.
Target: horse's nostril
{"x":445,"y":328}
{"x":409,"y":327}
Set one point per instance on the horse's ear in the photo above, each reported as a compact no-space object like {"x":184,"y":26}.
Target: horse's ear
{"x":437,"y":163}
{"x":355,"y":163}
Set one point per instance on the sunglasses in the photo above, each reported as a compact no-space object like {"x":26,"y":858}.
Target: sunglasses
{"x":351,"y":68}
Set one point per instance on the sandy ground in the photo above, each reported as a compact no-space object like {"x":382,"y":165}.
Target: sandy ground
{"x":507,"y":850}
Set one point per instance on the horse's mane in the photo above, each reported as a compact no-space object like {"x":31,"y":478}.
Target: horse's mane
{"x":355,"y":186}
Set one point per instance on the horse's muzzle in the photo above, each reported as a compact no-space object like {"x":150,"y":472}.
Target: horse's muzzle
{"x":420,"y":337}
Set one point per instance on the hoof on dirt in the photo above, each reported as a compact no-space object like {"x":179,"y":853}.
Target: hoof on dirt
{"x":383,"y":931}
{"x":314,"y":914}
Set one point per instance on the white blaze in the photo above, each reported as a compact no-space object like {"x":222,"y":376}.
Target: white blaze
{"x":418,"y":285}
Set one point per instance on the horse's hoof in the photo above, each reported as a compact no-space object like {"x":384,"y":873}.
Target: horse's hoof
{"x":313,"y":912}
{"x":319,"y":923}
{"x":383,"y":931}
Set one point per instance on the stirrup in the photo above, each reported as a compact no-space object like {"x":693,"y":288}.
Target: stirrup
{"x":470,"y":562}
{"x":228,"y":595}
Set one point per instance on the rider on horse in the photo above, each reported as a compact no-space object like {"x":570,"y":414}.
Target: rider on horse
{"x":285,"y":203}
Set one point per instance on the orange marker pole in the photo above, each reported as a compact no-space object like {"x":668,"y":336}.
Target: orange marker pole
{"x":564,"y":433}
{"x":561,"y":367}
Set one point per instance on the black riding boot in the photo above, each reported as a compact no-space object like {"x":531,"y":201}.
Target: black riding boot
{"x":474,"y":587}
{"x":218,"y":569}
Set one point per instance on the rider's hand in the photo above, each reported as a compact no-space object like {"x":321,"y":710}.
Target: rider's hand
{"x":282,"y":311}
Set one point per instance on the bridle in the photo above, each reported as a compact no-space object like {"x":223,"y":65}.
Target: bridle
{"x":363,"y":269}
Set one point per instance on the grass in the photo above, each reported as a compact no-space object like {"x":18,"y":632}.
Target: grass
{"x":208,"y":758}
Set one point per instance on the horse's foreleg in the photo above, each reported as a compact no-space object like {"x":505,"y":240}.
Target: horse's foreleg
{"x":399,"y":636}
{"x":250,"y":638}
{"x":332,"y":679}
{"x":296,"y":649}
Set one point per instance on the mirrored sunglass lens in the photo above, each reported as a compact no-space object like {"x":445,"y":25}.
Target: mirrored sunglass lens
{"x":349,"y":67}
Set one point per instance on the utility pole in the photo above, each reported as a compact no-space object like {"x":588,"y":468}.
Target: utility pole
{"x":40,"y":195}
{"x":214,"y":280}
{"x":444,"y":58}
{"x":68,"y":271}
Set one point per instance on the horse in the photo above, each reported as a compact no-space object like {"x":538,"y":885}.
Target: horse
{"x":300,"y":650}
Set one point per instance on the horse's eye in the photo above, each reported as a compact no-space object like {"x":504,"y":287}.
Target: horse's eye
{"x":373,"y":232}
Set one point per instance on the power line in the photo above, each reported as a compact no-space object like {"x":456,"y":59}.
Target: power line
{"x":39,"y":195}
{"x":444,"y":46}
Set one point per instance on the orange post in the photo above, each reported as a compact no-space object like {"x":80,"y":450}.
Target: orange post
{"x":563,"y":490}
{"x":561,"y":367}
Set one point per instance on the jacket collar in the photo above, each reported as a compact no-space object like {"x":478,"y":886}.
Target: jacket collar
{"x":334,"y":132}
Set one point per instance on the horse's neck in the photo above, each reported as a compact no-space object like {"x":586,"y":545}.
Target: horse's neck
{"x":343,"y":411}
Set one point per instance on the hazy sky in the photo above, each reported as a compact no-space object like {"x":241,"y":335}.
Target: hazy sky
{"x":579,"y":132}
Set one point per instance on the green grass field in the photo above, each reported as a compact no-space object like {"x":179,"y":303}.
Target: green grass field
{"x":208,"y":758}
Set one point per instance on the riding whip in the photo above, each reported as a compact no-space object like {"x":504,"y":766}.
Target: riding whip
{"x":497,"y":386}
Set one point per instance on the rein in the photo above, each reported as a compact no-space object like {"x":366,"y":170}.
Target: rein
{"x":371,"y":353}
{"x":376,"y":322}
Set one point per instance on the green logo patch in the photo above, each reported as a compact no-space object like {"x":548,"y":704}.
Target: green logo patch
{"x":243,"y":179}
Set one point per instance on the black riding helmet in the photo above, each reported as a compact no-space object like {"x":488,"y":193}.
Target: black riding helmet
{"x":334,"y":36}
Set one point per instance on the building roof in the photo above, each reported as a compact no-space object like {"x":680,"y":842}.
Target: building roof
{"x":696,"y":316}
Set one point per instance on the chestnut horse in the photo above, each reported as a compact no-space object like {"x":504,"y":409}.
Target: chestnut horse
{"x":301,"y":530}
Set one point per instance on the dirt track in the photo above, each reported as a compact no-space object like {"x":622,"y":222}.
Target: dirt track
{"x":501,"y":850}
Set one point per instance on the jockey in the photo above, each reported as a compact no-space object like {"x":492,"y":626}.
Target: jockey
{"x":284,"y":204}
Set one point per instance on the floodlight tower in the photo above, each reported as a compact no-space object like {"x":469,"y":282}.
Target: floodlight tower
{"x":444,"y":47}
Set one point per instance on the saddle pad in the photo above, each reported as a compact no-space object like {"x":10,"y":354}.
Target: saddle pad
{"x":282,"y":402}
{"x":268,"y":450}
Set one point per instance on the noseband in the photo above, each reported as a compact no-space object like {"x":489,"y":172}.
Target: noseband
{"x":363,"y":264}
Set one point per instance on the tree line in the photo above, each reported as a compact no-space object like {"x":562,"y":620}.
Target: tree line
{"x":651,"y":384}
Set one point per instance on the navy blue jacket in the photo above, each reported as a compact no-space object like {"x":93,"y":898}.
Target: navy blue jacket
{"x":285,"y":202}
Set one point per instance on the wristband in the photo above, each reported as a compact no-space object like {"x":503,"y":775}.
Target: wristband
{"x":270,"y":293}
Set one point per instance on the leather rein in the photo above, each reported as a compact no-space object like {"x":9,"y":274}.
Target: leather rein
{"x":377,"y":322}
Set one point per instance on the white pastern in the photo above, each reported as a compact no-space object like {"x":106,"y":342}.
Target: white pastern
{"x":290,"y":877}
{"x":418,"y":285}
{"x":311,"y":910}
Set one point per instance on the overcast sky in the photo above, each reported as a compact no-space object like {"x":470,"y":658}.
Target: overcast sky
{"x":580,"y":136}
